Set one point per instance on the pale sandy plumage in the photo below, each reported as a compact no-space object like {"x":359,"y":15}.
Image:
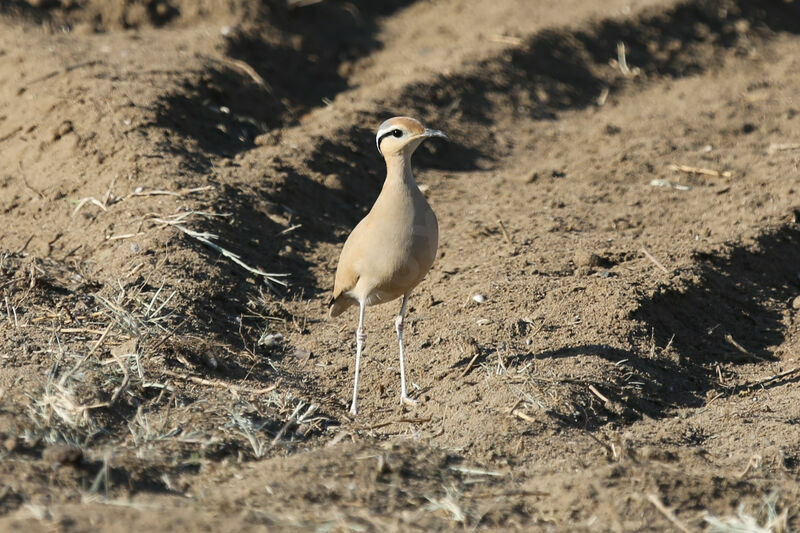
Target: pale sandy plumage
{"x":391,"y":250}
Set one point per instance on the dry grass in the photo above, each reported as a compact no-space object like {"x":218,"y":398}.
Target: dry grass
{"x":763,"y":519}
{"x":109,"y":385}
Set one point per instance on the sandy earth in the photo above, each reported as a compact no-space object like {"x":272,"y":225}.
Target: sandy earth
{"x":633,"y":364}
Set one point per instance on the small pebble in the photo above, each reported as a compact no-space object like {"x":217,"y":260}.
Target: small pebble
{"x":10,"y":444}
{"x":479,"y":298}
{"x":270,"y":340}
{"x":796,"y":302}
{"x":302,"y":355}
{"x":582,"y":258}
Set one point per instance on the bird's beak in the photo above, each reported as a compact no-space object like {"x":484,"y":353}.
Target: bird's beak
{"x":435,"y":133}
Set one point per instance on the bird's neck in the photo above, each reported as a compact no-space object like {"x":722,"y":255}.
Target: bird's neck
{"x":398,"y":171}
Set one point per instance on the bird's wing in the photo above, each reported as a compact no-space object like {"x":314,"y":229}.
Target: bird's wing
{"x":346,"y":280}
{"x":346,"y":274}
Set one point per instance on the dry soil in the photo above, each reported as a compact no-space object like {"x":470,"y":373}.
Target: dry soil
{"x":177,"y":179}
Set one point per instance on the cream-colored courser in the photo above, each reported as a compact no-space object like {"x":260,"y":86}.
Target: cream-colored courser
{"x":393,"y":247}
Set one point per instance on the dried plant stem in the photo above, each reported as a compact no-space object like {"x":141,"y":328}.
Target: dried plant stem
{"x":205,"y":238}
{"x":83,"y":359}
{"x":221,"y":384}
{"x":668,"y":514}
{"x":655,"y":261}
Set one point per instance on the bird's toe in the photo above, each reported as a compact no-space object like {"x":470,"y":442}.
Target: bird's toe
{"x":405,"y":400}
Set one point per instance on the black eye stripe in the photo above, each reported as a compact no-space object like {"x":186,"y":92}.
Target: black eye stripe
{"x":394,"y":133}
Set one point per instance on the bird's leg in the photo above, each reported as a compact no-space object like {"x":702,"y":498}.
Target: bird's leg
{"x":361,"y":338}
{"x":398,"y":324}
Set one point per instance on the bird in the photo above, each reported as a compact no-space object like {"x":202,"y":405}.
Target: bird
{"x":394,"y":246}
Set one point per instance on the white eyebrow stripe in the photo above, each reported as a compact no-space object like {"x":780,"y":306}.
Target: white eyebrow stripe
{"x":384,"y":130}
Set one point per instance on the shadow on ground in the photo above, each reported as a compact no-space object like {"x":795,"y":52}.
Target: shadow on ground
{"x":734,"y":313}
{"x":731,"y":314}
{"x":276,"y":68}
{"x":553,"y":71}
{"x":560,"y":69}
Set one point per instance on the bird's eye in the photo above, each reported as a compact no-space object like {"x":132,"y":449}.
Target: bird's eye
{"x":397,"y":133}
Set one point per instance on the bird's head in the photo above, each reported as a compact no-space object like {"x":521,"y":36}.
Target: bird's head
{"x":402,"y":135}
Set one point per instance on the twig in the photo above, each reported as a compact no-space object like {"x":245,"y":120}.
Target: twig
{"x":471,"y":363}
{"x":81,"y":330}
{"x":775,"y":377}
{"x":732,"y":341}
{"x":22,"y":248}
{"x":71,"y":318}
{"x":475,"y":471}
{"x":654,"y":260}
{"x":622,"y":62}
{"x":9,"y":310}
{"x":282,"y":432}
{"x":609,"y":450}
{"x":124,"y":236}
{"x":204,"y":238}
{"x":169,"y":335}
{"x":290,"y":229}
{"x":505,"y":232}
{"x":91,"y":199}
{"x":667,"y":183}
{"x":87,"y":356}
{"x":668,"y":514}
{"x":125,"y":380}
{"x":160,"y":192}
{"x":602,"y":97}
{"x":10,"y":282}
{"x":221,"y":384}
{"x":597,"y":393}
{"x":523,"y":416}
{"x":506,"y":39}
{"x":774,"y":147}
{"x":240,"y":65}
{"x":698,"y":170}
{"x":754,"y":462}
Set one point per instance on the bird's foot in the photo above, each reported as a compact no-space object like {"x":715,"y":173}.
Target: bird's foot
{"x":405,"y":400}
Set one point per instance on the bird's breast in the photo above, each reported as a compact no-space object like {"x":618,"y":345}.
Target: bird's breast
{"x":404,"y":244}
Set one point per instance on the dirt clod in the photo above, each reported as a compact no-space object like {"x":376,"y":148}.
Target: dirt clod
{"x":10,"y":444}
{"x":62,"y":454}
{"x":584,"y":258}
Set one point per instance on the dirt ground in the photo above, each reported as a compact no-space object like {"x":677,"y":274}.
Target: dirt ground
{"x":178,"y":177}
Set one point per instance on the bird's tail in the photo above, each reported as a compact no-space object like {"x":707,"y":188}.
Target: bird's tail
{"x":339,"y":305}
